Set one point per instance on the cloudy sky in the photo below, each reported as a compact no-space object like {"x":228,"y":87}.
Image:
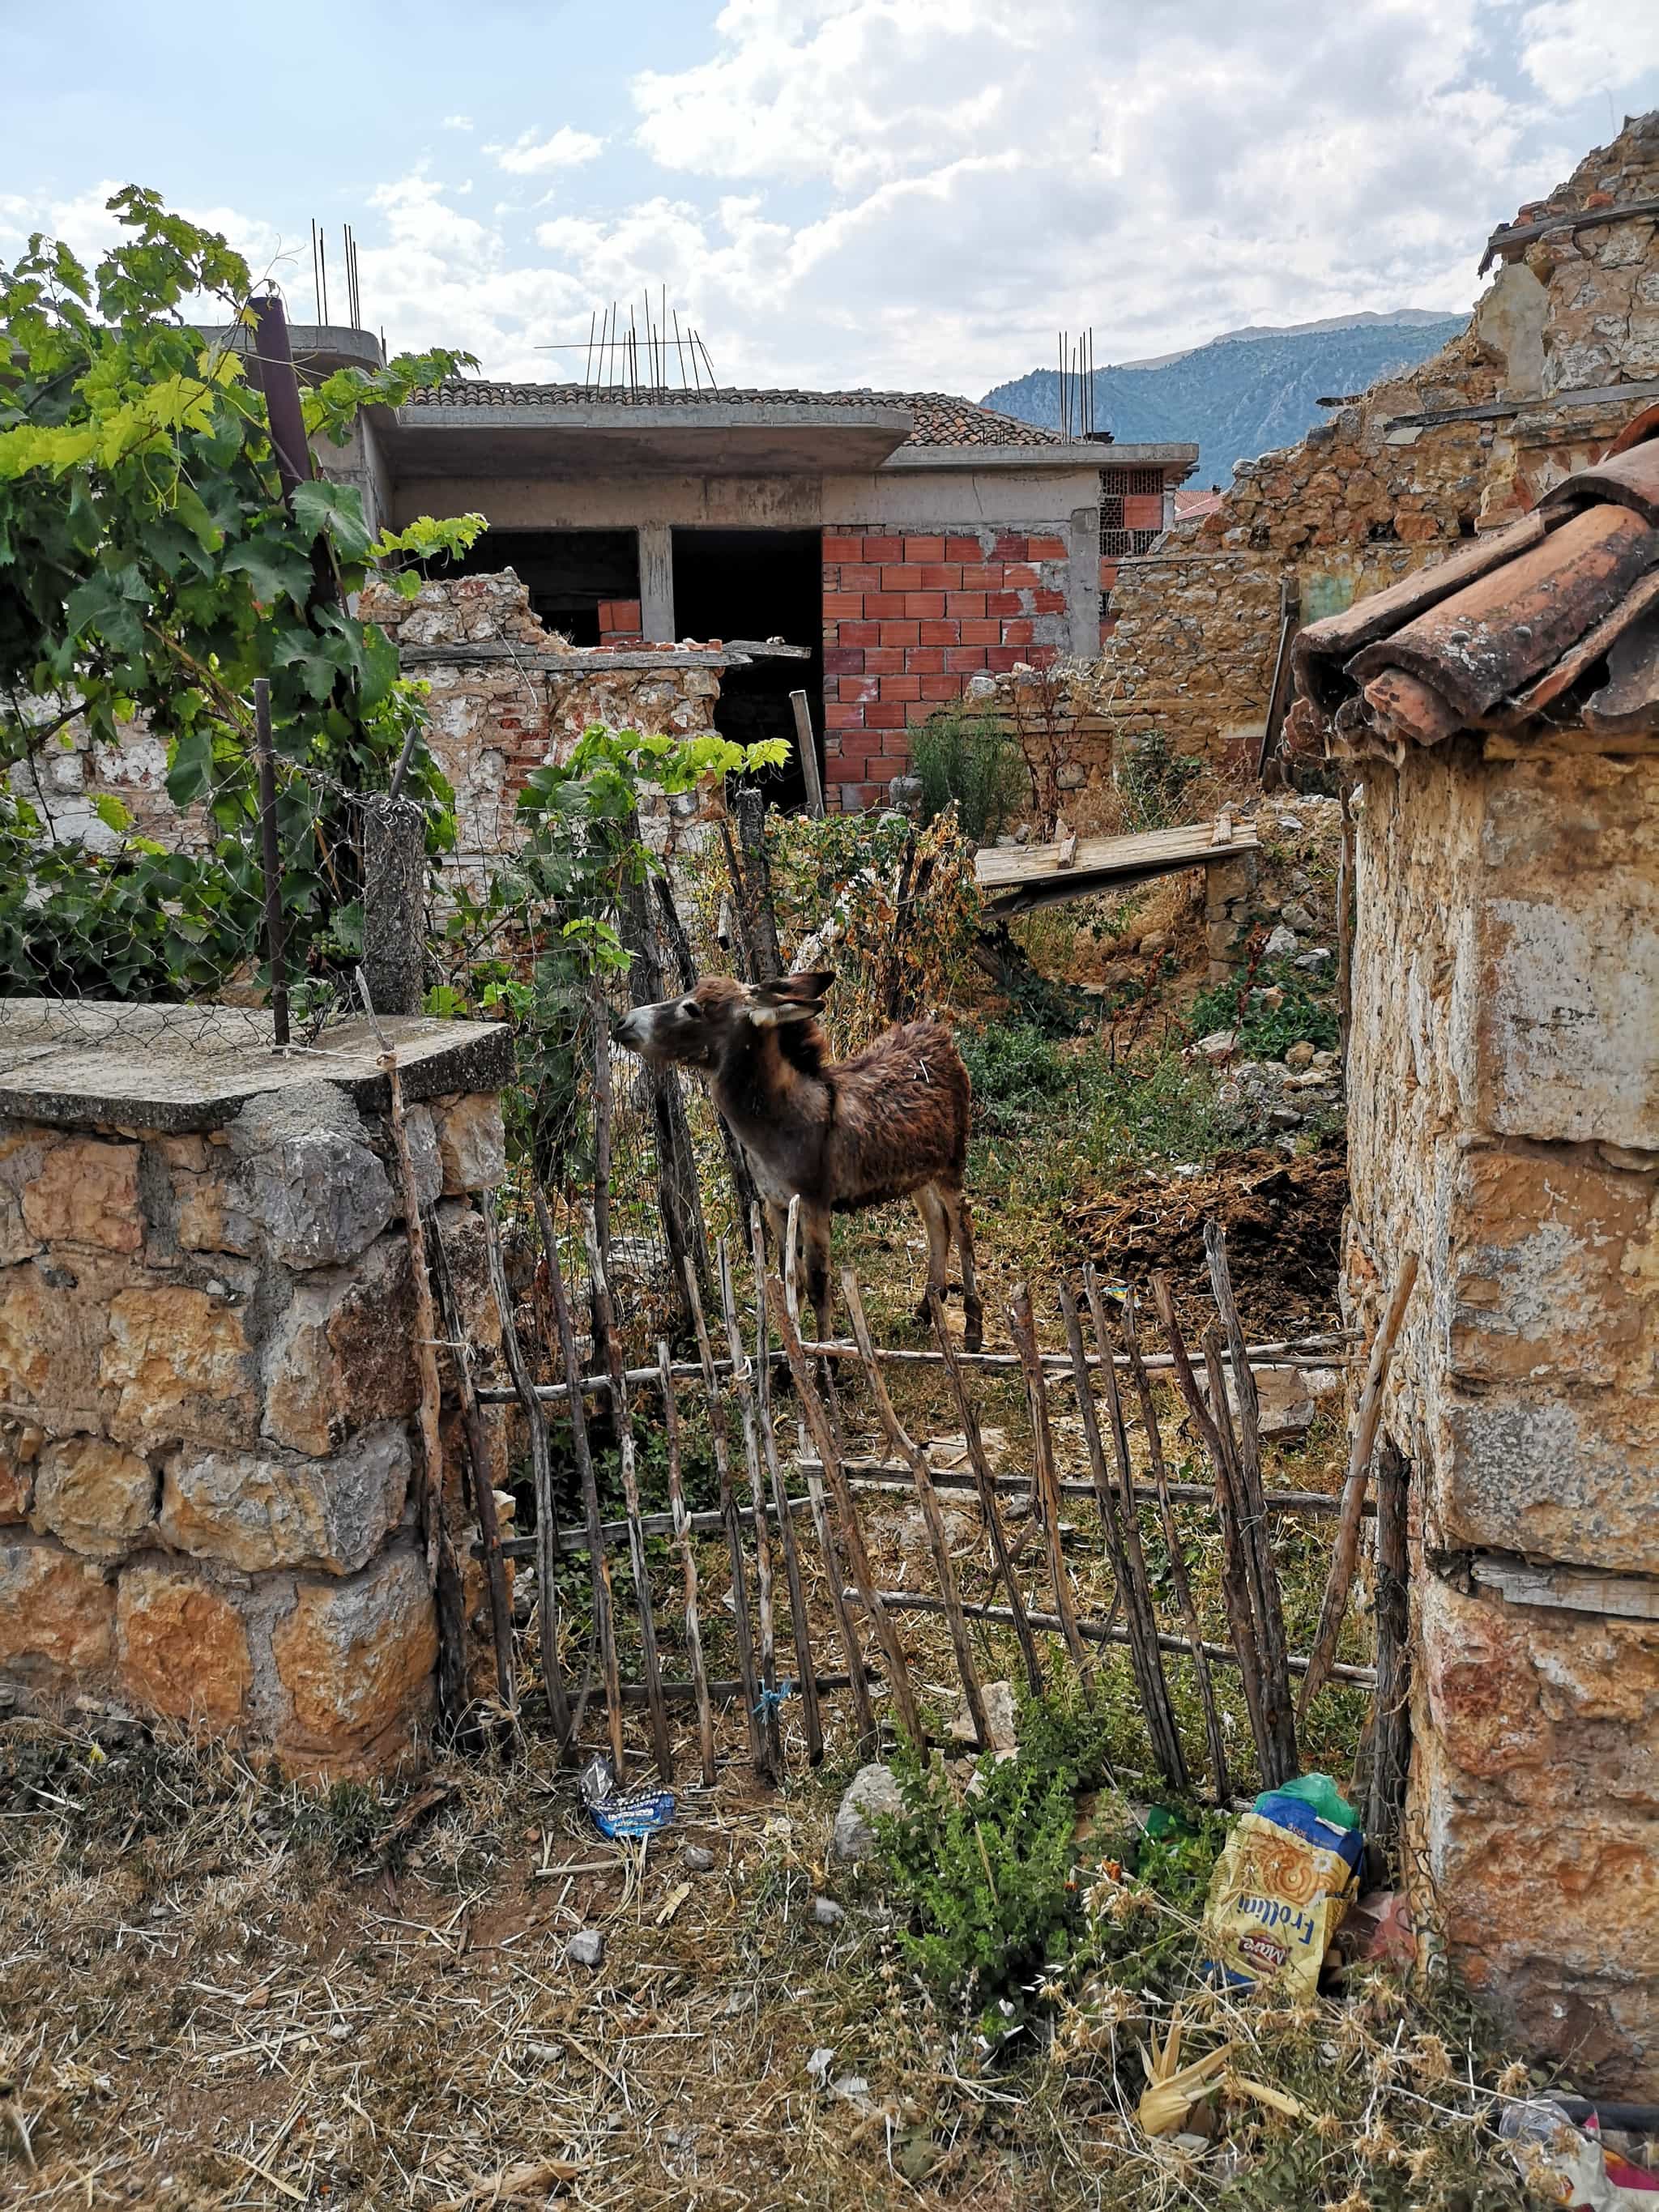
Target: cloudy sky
{"x":913,"y":193}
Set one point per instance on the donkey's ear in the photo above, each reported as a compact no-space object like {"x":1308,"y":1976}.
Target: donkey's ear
{"x":791,"y":999}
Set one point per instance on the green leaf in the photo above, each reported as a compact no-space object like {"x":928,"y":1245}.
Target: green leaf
{"x":337,"y":510}
{"x":275,"y":571}
{"x":112,"y":812}
{"x":191,"y":769}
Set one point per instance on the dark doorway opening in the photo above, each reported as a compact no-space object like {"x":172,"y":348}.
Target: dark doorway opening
{"x":758,"y":584}
{"x":568,"y":574}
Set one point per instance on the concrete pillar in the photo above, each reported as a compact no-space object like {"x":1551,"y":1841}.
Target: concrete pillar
{"x":657,"y":582}
{"x":1083,"y":584}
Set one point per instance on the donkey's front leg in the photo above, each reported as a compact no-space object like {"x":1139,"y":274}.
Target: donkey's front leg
{"x":815,"y":1241}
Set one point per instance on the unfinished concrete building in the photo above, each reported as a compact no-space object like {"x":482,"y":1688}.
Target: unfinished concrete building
{"x":906,"y":541}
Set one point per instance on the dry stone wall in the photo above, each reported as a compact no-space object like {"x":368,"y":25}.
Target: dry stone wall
{"x":1504,"y":1123}
{"x":1550,"y":367}
{"x":208,"y":1383}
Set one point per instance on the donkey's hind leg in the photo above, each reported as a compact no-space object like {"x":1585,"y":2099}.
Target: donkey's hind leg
{"x":961,"y":1228}
{"x":936,"y":1218}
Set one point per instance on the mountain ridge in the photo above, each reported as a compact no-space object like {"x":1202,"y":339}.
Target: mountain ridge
{"x":1244,"y":393}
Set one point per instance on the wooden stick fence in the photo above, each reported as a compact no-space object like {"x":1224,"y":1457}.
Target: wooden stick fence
{"x":763,"y":1527}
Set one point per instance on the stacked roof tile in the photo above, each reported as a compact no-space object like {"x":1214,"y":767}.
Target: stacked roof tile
{"x":941,"y":419}
{"x":1552,"y":622}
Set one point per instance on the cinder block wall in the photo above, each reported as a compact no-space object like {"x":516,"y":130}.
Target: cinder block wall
{"x":208,"y":1379}
{"x":1504,"y":1124}
{"x":909,"y":618}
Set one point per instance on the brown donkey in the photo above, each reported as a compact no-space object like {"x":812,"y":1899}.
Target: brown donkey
{"x":891,"y":1122}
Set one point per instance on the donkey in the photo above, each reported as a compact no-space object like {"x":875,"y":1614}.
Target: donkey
{"x":891,"y":1122}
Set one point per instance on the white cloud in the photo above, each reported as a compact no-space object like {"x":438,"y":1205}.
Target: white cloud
{"x":529,"y":156}
{"x":87,"y":226}
{"x":458,"y":123}
{"x":1571,"y":49}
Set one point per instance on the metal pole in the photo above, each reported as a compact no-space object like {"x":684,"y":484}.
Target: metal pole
{"x":273,"y":863}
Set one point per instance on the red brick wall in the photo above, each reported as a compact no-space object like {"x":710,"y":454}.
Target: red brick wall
{"x":619,"y":622}
{"x":910,"y":617}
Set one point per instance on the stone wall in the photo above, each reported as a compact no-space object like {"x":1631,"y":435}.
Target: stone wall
{"x":1377,"y":491}
{"x":207,"y":1381}
{"x":1504,"y":1124}
{"x":501,"y":704}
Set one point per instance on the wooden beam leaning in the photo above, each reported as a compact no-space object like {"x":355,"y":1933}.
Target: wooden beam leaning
{"x":858,"y":1559}
{"x":598,"y":1567}
{"x":1178,"y":1575}
{"x":1391,"y":1728}
{"x":483,"y":1485}
{"x":443,"y":1571}
{"x":541,"y":1476}
{"x":1047,"y":1489}
{"x":1120,"y":1527}
{"x":986,"y":1484}
{"x":1346,"y":1552}
{"x":800,"y":1625}
{"x":742,"y":1384}
{"x":671,"y":1415}
{"x":927,"y":1498}
{"x":740,"y":1627}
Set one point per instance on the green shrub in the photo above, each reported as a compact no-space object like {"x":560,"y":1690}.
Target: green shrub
{"x":1155,"y":783}
{"x":1304,"y":1016}
{"x":971,"y":762}
{"x":1106,"y":1114}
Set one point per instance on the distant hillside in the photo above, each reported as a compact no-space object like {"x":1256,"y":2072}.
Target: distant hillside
{"x":1242,"y":394}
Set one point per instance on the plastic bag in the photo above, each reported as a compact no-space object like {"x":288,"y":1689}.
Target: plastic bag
{"x":1281,"y":1886}
{"x":622,"y":1813}
{"x":1563,"y":2165}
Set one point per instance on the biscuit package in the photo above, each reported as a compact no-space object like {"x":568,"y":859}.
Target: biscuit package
{"x":1281,"y":1886}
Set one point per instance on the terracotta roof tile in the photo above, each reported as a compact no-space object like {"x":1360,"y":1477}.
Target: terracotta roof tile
{"x":1556,"y":617}
{"x":941,"y":418}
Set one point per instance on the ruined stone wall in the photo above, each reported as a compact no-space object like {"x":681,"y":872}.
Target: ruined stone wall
{"x":1504,"y":1125}
{"x":1369,"y":495}
{"x":207,"y":1381}
{"x":494,"y":719}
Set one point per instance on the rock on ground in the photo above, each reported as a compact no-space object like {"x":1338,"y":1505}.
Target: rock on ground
{"x":872,"y":1790}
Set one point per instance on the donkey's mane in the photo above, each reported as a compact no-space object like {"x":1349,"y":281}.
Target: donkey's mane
{"x":804,"y":1045}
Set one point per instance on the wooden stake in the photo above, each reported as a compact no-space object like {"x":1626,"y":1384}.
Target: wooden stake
{"x":858,"y":1677}
{"x":1183,"y":1589}
{"x":1257,"y":1547}
{"x":443,"y":1571}
{"x":1346,"y":1552}
{"x":744,"y":1386}
{"x":688,"y":1568}
{"x":598,"y":1565}
{"x":541,"y":1476}
{"x":662,"y":1740}
{"x":742,"y":1633}
{"x":1391,"y":1730}
{"x":483,"y":1485}
{"x":1120,"y":1525}
{"x":1046,"y":1487}
{"x":985,"y":1482}
{"x":858,"y":1559}
{"x":799,"y":1623}
{"x":927,"y":1497}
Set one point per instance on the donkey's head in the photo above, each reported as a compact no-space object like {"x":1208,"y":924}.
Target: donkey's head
{"x":697,"y":1030}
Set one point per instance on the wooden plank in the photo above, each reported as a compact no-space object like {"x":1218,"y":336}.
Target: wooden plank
{"x":1523,"y":233}
{"x":1573,"y":1589}
{"x":997,"y":867}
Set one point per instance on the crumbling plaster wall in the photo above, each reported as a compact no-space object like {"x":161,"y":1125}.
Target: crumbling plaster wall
{"x":1366,"y":498}
{"x":1504,"y":1089}
{"x":208,"y":1385}
{"x":495,"y":720}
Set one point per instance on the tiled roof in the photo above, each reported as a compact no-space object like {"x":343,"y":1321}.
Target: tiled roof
{"x":1553,"y":622}
{"x":941,"y":419}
